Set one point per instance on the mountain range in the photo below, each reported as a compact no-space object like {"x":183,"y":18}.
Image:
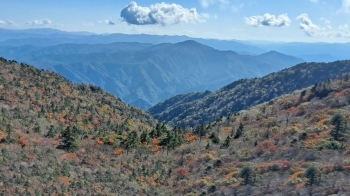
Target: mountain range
{"x":145,"y":74}
{"x":315,"y":52}
{"x":157,"y":70}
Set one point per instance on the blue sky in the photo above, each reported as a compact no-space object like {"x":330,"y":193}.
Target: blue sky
{"x":273,"y":20}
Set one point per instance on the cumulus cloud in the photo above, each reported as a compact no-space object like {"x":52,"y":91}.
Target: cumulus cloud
{"x":207,"y":3}
{"x":313,"y":30}
{"x":6,"y":22}
{"x":307,"y":25}
{"x":341,"y":34}
{"x":109,"y":22}
{"x":325,"y":20}
{"x":160,"y":13}
{"x":268,"y":20}
{"x":343,"y":27}
{"x":40,"y":22}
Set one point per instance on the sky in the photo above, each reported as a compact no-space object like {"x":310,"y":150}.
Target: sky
{"x":270,"y":20}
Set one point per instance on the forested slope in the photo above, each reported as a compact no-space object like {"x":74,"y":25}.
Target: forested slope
{"x":245,"y":93}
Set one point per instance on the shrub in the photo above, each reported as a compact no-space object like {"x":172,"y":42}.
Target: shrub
{"x":302,"y":136}
{"x":22,"y":142}
{"x":119,"y":152}
{"x":296,"y":178}
{"x":212,"y":189}
{"x":265,"y":146}
{"x":333,"y":145}
{"x":181,"y":172}
{"x":217,"y":163}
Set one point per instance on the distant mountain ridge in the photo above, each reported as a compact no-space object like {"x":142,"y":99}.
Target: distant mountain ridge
{"x":145,"y":74}
{"x":310,"y":52}
{"x":51,"y":37}
{"x":244,"y":93}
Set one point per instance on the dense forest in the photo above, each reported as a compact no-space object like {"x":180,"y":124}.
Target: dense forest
{"x":60,"y":138}
{"x":242,"y":94}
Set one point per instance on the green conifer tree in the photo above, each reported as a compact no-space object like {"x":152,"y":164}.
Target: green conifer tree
{"x":226,"y":143}
{"x":145,"y":137}
{"x":248,"y":176}
{"x":339,"y":132}
{"x":69,"y":139}
{"x":239,"y":131}
{"x":313,"y":176}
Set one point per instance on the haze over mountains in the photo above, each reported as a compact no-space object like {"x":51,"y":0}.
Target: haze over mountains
{"x":317,"y":52}
{"x":145,"y":74}
{"x":145,"y":69}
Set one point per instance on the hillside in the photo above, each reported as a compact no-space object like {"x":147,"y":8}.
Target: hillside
{"x":289,"y":146}
{"x":296,"y":144}
{"x":143,"y":74}
{"x":45,"y":118}
{"x":244,"y":93}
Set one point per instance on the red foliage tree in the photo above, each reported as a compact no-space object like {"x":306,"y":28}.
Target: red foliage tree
{"x":181,"y":172}
{"x":22,"y":142}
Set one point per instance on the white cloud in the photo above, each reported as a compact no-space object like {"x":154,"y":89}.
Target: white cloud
{"x":268,"y":20}
{"x":307,"y":25}
{"x":343,"y":27}
{"x":207,"y":3}
{"x":109,"y":22}
{"x":325,"y":20}
{"x":346,"y":6}
{"x":313,"y":30}
{"x":6,"y":22}
{"x":160,"y":13}
{"x":40,"y":22}
{"x":342,"y":34}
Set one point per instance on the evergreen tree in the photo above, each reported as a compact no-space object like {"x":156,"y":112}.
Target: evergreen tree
{"x":313,"y":176}
{"x":208,"y":145}
{"x":153,"y":133}
{"x":171,"y":140}
{"x":248,"y":176}
{"x":214,"y":138}
{"x":201,"y":131}
{"x":239,"y":131}
{"x":226,"y":143}
{"x":69,"y":139}
{"x":132,"y":141}
{"x":9,"y":132}
{"x":36,"y":128}
{"x":51,"y":133}
{"x":158,"y":131}
{"x":339,"y":132}
{"x":145,"y":137}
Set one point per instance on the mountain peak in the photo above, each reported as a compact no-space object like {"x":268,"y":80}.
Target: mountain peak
{"x":192,"y":44}
{"x":272,"y":52}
